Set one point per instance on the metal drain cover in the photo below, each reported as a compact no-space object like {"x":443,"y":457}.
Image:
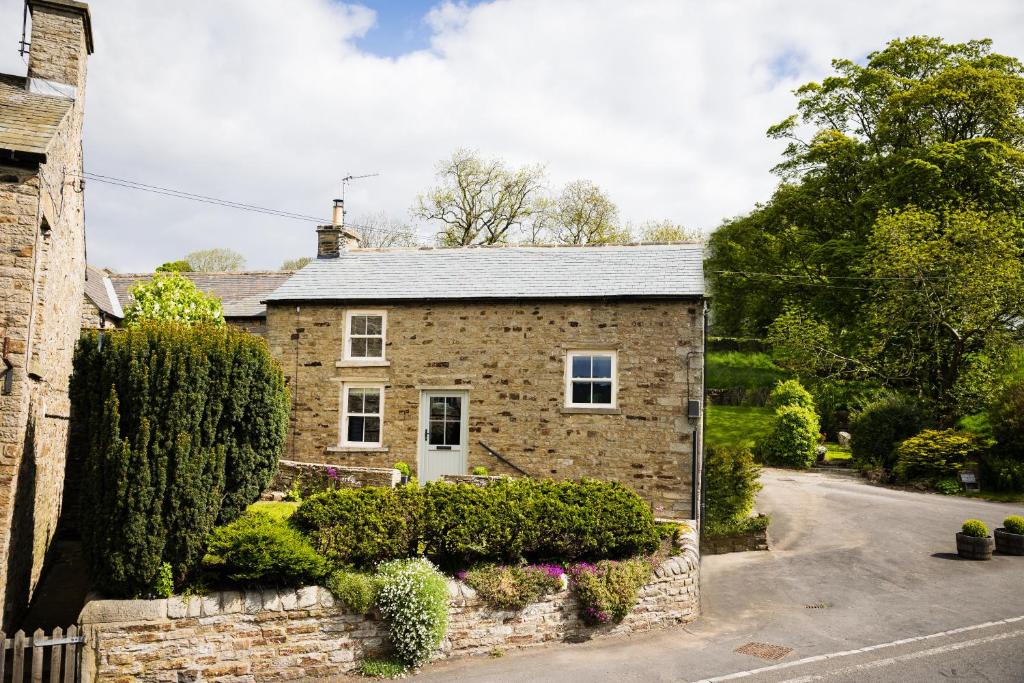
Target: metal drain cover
{"x":765,"y":651}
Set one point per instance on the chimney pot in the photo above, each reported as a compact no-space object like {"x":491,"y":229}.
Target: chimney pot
{"x":338,"y":214}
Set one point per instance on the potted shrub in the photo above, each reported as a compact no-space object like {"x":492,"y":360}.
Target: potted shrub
{"x":403,"y":470}
{"x":973,"y":541}
{"x":1010,"y":538}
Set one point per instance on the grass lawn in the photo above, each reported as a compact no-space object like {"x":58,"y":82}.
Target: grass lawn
{"x":997,"y":496}
{"x":737,"y":424}
{"x":730,"y":369}
{"x":834,"y":451}
{"x":280,"y":510}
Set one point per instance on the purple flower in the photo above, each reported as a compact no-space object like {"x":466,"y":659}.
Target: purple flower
{"x":553,"y":570}
{"x":595,"y":616}
{"x":332,"y":473}
{"x":461,"y":575}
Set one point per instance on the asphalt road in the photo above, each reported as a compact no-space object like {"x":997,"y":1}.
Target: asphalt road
{"x":853,"y":566}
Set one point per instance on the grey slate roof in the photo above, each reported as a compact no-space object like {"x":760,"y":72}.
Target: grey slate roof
{"x":241,"y":293}
{"x":100,"y":291}
{"x":28,"y":121}
{"x":639,"y":270}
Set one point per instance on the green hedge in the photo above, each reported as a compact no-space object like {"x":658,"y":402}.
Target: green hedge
{"x":460,"y":525}
{"x":1006,"y":415}
{"x":790,"y":393}
{"x":364,"y":526}
{"x":176,"y":427}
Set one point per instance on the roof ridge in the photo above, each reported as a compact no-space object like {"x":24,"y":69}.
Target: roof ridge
{"x":499,"y":247}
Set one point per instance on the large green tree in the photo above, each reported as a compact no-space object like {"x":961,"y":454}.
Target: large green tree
{"x":920,"y":123}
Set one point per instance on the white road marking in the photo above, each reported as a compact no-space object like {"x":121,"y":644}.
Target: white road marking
{"x":888,"y":661}
{"x":869,"y":648}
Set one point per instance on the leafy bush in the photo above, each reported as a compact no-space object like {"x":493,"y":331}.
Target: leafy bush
{"x":793,"y":439}
{"x":164,"y":585}
{"x":790,"y":393}
{"x":413,"y":599}
{"x":383,"y":667}
{"x":504,"y":587}
{"x":256,"y":548}
{"x":1006,"y":415}
{"x":1001,"y":473}
{"x":731,"y":481}
{"x":934,"y":455}
{"x":361,"y":527}
{"x":948,"y":487}
{"x":177,"y":428}
{"x":607,"y":591}
{"x":172,"y":297}
{"x":356,"y":590}
{"x":403,"y":469}
{"x":479,"y":471}
{"x":1014,"y":524}
{"x":882,"y":424}
{"x":974,"y":528}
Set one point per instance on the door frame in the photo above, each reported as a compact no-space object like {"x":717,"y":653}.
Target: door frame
{"x":423,"y":423}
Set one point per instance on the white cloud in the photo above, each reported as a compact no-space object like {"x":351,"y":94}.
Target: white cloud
{"x":663,"y":103}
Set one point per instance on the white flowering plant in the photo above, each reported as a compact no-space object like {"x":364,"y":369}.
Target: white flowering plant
{"x":172,"y":296}
{"x":412,"y":596}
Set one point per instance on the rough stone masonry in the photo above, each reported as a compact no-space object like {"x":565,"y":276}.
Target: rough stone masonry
{"x":42,"y":275}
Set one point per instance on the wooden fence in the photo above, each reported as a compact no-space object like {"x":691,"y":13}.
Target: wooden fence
{"x":61,"y":663}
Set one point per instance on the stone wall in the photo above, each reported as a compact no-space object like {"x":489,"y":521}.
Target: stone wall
{"x":510,"y":358}
{"x":42,"y":276}
{"x":735,"y":543}
{"x":275,"y":635}
{"x":314,"y":477}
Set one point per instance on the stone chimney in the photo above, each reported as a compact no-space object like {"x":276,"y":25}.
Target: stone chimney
{"x":60,"y":44}
{"x":335,"y":238}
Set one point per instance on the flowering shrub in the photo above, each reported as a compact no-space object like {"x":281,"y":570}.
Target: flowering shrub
{"x":413,"y":597}
{"x":607,"y":591}
{"x":505,"y":587}
{"x":170,"y":296}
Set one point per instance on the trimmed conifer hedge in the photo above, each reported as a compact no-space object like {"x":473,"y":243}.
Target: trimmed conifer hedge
{"x":178,"y":428}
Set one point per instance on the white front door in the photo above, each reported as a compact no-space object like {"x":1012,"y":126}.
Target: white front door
{"x":443,"y":434}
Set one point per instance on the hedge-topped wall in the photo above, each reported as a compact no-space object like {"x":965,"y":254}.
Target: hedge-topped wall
{"x":278,"y":635}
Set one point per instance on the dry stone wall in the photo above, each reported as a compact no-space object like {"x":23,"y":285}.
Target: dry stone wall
{"x":510,"y":358}
{"x":283,"y":635}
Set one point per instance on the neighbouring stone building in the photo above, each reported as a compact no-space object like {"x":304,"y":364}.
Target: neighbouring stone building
{"x":42,"y":276}
{"x":107,"y":295}
{"x":560,"y":362}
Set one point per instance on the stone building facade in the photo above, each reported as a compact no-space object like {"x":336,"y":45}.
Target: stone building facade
{"x":42,"y":275}
{"x":564,"y":376}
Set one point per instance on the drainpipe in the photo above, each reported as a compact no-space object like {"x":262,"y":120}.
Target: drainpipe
{"x":703,"y":421}
{"x":8,"y":385}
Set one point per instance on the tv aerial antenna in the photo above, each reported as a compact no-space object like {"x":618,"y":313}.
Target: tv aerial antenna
{"x":349,"y":178}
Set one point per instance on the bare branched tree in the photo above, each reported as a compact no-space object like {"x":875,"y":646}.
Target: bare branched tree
{"x":480,"y":201}
{"x":381,"y":230}
{"x":215,"y":260}
{"x":296,"y":263}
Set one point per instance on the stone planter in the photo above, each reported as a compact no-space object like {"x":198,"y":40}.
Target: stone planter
{"x":971,"y":548}
{"x":1009,"y":543}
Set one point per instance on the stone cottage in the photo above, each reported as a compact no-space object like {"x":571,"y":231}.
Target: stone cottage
{"x":42,"y":276}
{"x":560,"y":362}
{"x":107,"y":295}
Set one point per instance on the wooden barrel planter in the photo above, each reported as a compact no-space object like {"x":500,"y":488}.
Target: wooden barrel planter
{"x":971,"y":548}
{"x":1009,"y":543}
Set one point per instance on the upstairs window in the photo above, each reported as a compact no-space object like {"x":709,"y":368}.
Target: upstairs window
{"x":590,"y":379}
{"x":363,"y":408}
{"x":364,"y":335}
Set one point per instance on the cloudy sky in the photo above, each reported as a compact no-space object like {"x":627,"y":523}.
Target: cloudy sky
{"x":663,"y":103}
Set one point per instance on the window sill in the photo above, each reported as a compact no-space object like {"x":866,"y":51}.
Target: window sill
{"x":591,"y":411}
{"x":357,"y":449}
{"x":371,"y":363}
